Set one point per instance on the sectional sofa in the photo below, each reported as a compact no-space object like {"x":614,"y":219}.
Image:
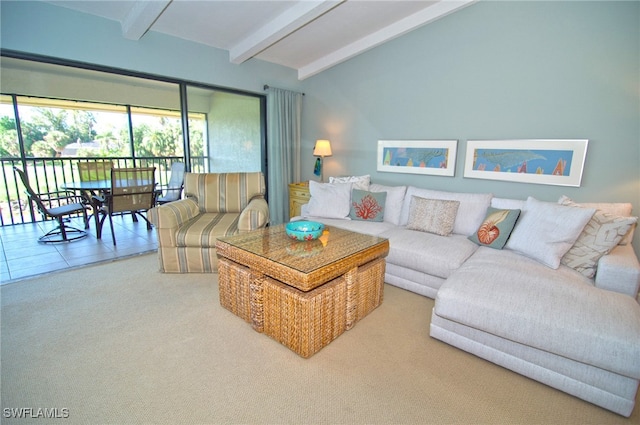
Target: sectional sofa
{"x":546,"y":289}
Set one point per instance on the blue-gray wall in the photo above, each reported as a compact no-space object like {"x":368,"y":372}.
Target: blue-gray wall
{"x":494,"y":70}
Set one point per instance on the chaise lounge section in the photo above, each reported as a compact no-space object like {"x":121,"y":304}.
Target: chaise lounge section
{"x":558,"y":329}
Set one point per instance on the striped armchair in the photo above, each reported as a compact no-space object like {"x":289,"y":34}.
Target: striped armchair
{"x":215,"y":205}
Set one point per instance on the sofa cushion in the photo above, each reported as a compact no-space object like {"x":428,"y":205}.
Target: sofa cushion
{"x":374,"y":228}
{"x":432,"y":215}
{"x":393,"y":204}
{"x":331,"y":200}
{"x":473,"y":207}
{"x":559,"y":311}
{"x":204,"y":229}
{"x":427,"y":252}
{"x":545,"y":231}
{"x":367,"y":206}
{"x":601,"y":234}
{"x":223,"y":192}
{"x":496,"y":228}
{"x":507,"y":203}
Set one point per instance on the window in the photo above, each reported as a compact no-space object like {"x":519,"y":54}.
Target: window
{"x":92,"y":109}
{"x":69,"y":111}
{"x":234,"y":130}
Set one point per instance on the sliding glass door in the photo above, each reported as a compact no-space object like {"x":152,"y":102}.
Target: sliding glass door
{"x":55,"y":114}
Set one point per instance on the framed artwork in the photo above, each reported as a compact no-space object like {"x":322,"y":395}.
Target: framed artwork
{"x":551,"y":161}
{"x":434,"y":157}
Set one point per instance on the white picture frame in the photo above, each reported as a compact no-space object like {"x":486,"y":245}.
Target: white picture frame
{"x":430,"y":157}
{"x":558,"y":162}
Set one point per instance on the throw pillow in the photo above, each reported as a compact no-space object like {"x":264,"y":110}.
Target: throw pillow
{"x":496,"y":228}
{"x":601,"y":234}
{"x":329,"y":200}
{"x":620,"y":209}
{"x":432,"y":215}
{"x":545,"y":231}
{"x":358,"y":182}
{"x":471,"y":212}
{"x":393,"y":205}
{"x":507,"y":203}
{"x":367,"y":206}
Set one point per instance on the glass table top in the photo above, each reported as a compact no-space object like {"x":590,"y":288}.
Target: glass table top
{"x":335,"y":244}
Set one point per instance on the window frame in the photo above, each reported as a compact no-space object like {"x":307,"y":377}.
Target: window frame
{"x":182,"y":86}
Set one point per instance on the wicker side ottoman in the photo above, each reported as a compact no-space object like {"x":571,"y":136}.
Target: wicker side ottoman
{"x":305,"y":322}
{"x":241,"y":292}
{"x":234,"y":283}
{"x":365,"y":290}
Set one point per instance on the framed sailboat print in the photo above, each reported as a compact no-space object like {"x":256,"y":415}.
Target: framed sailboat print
{"x":543,"y":161}
{"x":434,"y":157}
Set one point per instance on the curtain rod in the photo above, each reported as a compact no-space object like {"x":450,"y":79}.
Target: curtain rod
{"x":266,"y":87}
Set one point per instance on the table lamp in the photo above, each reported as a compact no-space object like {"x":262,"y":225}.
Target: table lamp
{"x":321,"y":149}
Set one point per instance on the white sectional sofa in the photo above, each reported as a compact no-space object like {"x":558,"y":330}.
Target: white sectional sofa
{"x":530,"y":305}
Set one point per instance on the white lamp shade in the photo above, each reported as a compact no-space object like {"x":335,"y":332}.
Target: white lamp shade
{"x":322,"y":148}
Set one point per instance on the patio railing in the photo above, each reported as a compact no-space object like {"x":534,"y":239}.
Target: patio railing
{"x":48,"y":174}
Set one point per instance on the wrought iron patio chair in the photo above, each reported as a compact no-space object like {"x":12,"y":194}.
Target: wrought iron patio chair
{"x":132,"y":191}
{"x":57,"y":205}
{"x":172,"y":191}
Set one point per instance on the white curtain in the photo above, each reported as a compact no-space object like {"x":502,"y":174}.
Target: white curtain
{"x":284,"y":110}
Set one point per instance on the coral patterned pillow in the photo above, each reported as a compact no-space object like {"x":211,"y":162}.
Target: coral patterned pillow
{"x":495,"y":228}
{"x":367,"y":206}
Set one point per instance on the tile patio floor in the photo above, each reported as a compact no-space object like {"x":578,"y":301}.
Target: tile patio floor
{"x":22,"y":256}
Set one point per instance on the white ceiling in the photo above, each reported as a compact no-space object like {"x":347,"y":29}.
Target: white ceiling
{"x":309,"y":35}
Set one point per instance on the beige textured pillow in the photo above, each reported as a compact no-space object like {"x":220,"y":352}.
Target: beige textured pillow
{"x":432,"y":215}
{"x":471,"y":211}
{"x":601,"y":234}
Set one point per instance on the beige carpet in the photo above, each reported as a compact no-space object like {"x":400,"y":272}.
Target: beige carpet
{"x":120,"y":343}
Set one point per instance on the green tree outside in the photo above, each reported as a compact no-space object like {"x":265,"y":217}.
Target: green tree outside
{"x":48,"y":131}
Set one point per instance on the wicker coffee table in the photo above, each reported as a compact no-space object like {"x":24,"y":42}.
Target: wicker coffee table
{"x":302,"y":294}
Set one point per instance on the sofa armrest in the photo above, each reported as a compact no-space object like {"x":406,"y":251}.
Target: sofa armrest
{"x":254,"y":216}
{"x":619,"y":271}
{"x":173,"y":214}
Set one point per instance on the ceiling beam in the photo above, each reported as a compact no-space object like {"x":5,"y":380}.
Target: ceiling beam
{"x":141,"y":16}
{"x":297,"y":16}
{"x":401,"y":27}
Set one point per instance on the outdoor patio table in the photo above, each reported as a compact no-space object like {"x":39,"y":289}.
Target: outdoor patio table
{"x":87,"y":190}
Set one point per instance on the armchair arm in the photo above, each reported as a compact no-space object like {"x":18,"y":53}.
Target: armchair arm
{"x":254,"y":216}
{"x":619,"y":271}
{"x":174,"y":214}
{"x":169,"y":217}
